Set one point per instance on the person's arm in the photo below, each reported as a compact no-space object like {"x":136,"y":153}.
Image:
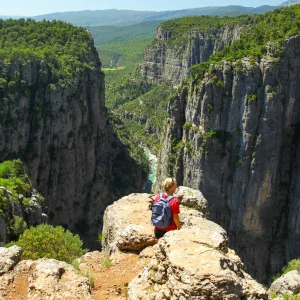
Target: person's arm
{"x":177,"y":221}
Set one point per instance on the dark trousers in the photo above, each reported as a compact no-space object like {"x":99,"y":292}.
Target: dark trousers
{"x":159,"y":233}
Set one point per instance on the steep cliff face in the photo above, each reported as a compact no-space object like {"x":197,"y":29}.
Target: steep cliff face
{"x":235,"y":136}
{"x":63,"y":136}
{"x":170,"y":60}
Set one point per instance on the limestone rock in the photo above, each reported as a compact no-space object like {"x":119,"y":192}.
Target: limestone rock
{"x":166,"y":61}
{"x":41,"y":279}
{"x":192,"y":263}
{"x":245,"y":154}
{"x":192,"y":198}
{"x":9,"y":257}
{"x":30,"y":212}
{"x":127,"y":224}
{"x":52,"y":279}
{"x":189,"y":265}
{"x":64,"y":137}
{"x":147,"y":252}
{"x":287,"y":284}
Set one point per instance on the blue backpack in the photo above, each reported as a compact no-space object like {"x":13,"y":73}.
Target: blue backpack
{"x":161,"y":212}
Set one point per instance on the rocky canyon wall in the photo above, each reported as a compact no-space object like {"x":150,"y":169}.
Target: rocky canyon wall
{"x":63,"y":136}
{"x":170,"y":60}
{"x":235,"y":136}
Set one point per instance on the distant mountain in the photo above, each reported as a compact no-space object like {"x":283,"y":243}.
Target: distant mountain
{"x":11,"y":17}
{"x":99,"y":17}
{"x":114,"y":17}
{"x":111,"y":34}
{"x":290,"y":2}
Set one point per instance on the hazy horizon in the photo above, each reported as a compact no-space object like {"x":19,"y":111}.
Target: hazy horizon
{"x":33,"y":8}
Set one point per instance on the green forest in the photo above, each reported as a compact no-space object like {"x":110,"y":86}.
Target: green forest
{"x":125,"y":89}
{"x":123,"y":46}
{"x":64,"y":46}
{"x":257,"y":31}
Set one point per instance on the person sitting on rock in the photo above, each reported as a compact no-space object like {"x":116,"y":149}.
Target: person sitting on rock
{"x":169,"y":186}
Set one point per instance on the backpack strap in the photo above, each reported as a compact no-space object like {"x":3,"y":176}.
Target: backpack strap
{"x":170,"y":198}
{"x":167,"y":199}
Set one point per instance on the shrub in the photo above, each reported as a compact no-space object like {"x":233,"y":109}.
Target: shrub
{"x":220,"y":84}
{"x":106,"y":262}
{"x":3,"y":200}
{"x":292,"y":265}
{"x":14,"y":178}
{"x":18,"y":225}
{"x":187,"y":125}
{"x":92,"y":280}
{"x":251,"y":98}
{"x":210,"y":108}
{"x":50,"y":242}
{"x":176,"y":144}
{"x":214,"y":79}
{"x":3,"y":83}
{"x":210,"y":133}
{"x":188,"y":147}
{"x":12,"y":85}
{"x":101,"y":237}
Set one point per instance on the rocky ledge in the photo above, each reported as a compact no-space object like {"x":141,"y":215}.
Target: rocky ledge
{"x":40,"y":279}
{"x":192,"y":263}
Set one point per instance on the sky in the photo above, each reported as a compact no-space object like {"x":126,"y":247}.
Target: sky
{"x":39,"y":7}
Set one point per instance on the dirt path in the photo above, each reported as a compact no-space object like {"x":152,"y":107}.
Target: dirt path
{"x":111,"y":277}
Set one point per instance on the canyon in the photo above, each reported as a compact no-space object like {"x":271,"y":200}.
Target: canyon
{"x":235,"y":136}
{"x":66,"y":142}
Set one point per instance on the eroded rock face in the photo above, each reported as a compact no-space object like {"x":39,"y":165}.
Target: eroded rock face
{"x":166,"y":61}
{"x":190,"y":264}
{"x":127,"y":224}
{"x":192,"y":198}
{"x":63,"y":136}
{"x":9,"y":257}
{"x":287,"y":284}
{"x":40,"y":279}
{"x":245,"y":154}
{"x":30,"y":212}
{"x":50,"y":278}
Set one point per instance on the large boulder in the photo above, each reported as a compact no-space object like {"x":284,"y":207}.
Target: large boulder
{"x":192,"y":264}
{"x":54,"y":279}
{"x":287,"y":284}
{"x":192,"y":198}
{"x":127,"y":222}
{"x":9,"y":257}
{"x":40,"y":279}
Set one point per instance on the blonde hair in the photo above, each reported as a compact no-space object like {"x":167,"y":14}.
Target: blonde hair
{"x":169,"y":182}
